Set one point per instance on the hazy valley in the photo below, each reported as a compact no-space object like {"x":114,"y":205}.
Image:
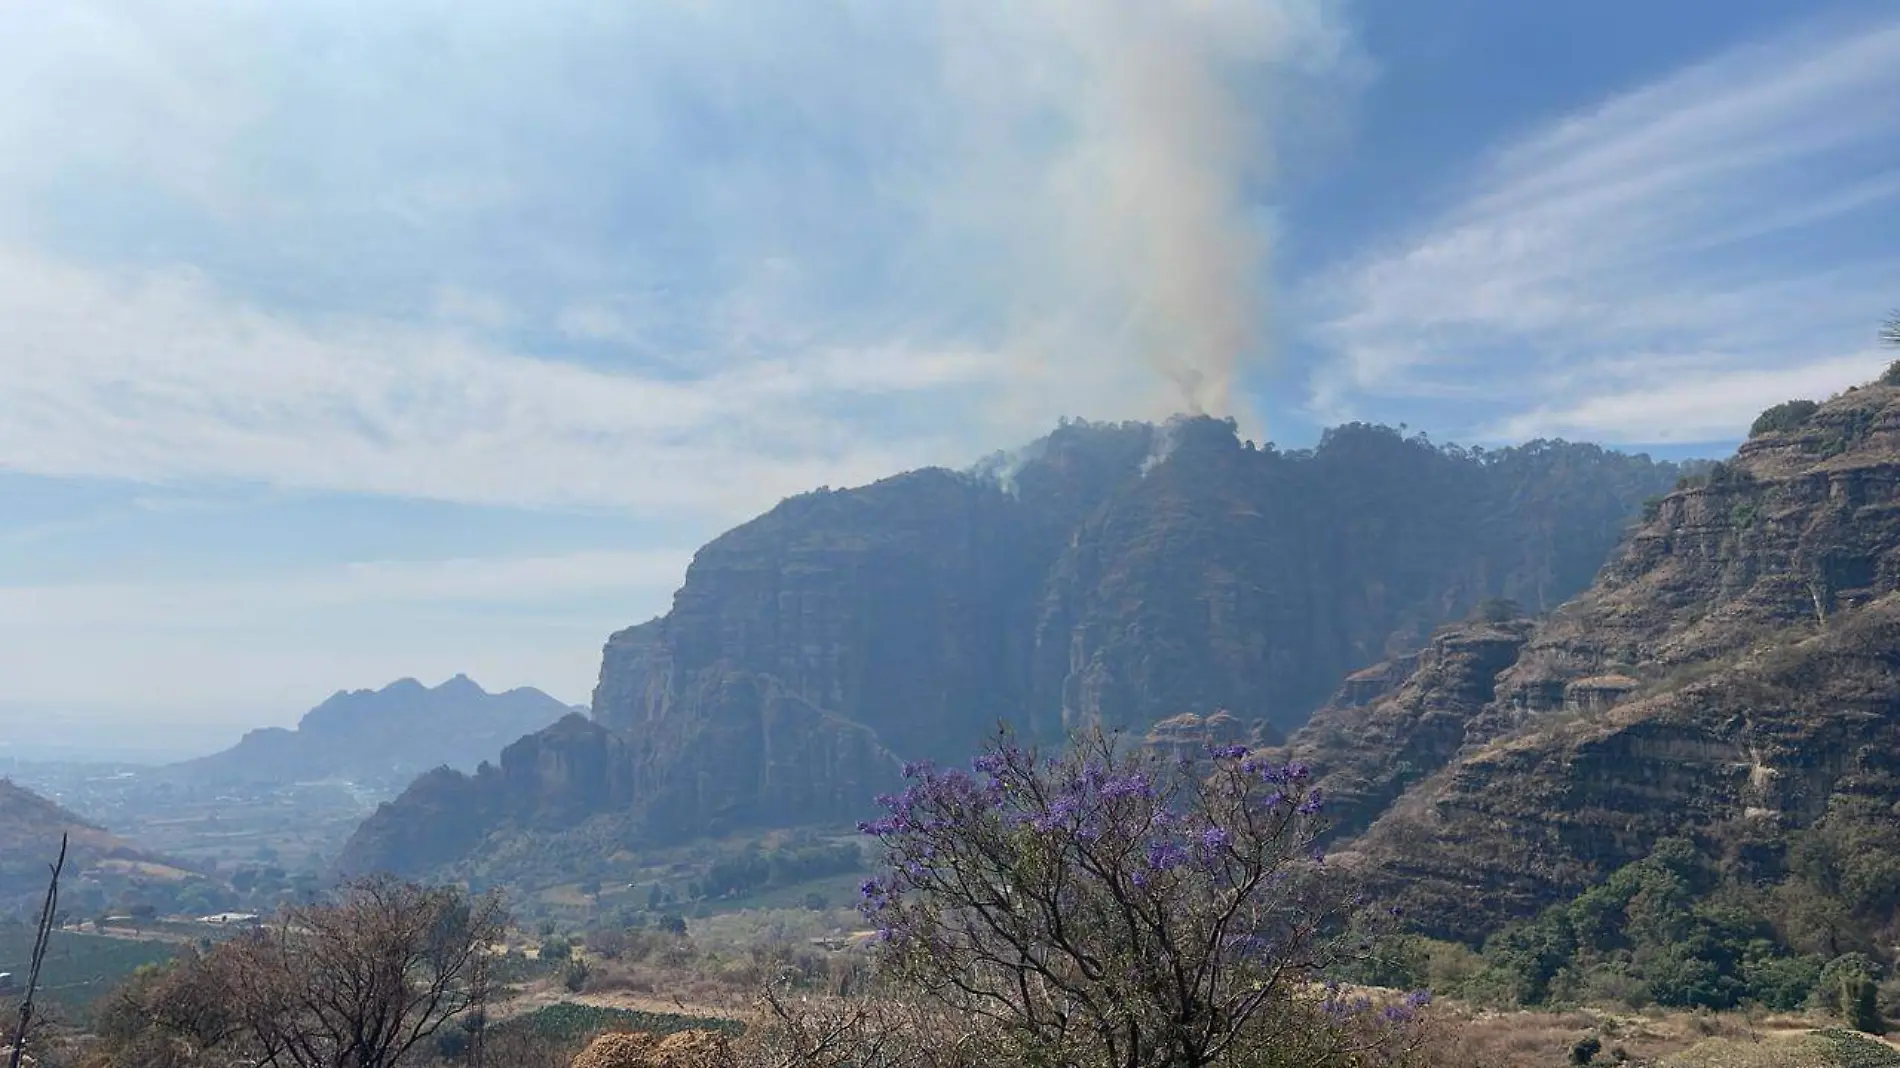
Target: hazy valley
{"x":1545,"y":664}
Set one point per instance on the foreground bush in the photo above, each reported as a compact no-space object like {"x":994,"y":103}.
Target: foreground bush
{"x":1118,"y":907}
{"x":359,"y":983}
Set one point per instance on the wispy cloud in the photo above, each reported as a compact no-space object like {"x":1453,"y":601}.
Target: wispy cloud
{"x":159,"y":376}
{"x":1654,"y":269}
{"x":519,"y":582}
{"x":682,"y":256}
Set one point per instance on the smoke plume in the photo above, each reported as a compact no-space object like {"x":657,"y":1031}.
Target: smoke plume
{"x":1144,"y":222}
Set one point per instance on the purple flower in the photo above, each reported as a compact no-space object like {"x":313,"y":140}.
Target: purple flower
{"x":1213,"y":838}
{"x":1227,"y":752}
{"x":1136,"y":785}
{"x":1165,"y":856}
{"x":882,"y":827}
{"x":1313,"y":803}
{"x":1418,"y":999}
{"x":1294,"y":772}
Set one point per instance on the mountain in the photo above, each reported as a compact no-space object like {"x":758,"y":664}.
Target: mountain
{"x":382,"y":737}
{"x":1123,"y":574}
{"x":1733,"y":676}
{"x":30,"y":827}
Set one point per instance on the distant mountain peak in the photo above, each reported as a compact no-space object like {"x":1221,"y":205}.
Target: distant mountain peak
{"x":459,"y":685}
{"x":387,"y":735}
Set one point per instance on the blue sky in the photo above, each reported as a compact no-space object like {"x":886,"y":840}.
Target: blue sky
{"x":343,"y":341}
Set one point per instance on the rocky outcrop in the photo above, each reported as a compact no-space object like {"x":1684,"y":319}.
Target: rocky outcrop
{"x":1368,"y":747}
{"x":381,"y":737}
{"x":1735,"y":666}
{"x":1189,"y":736}
{"x":1109,"y":574}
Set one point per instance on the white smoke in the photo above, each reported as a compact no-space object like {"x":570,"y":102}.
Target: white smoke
{"x":1139,"y":234}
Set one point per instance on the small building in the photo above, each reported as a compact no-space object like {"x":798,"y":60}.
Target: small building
{"x":230,"y":919}
{"x":6,"y":982}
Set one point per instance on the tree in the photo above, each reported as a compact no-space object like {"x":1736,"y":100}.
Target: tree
{"x":1119,"y":907}
{"x":609,"y":943}
{"x":1847,"y":987}
{"x":1788,"y":415}
{"x":42,"y":936}
{"x":1497,"y":610}
{"x":357,"y":983}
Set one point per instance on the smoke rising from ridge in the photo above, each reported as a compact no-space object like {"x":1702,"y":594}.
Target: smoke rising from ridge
{"x":1143,"y":220}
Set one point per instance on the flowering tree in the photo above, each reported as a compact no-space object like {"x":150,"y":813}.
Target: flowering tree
{"x":1117,"y":907}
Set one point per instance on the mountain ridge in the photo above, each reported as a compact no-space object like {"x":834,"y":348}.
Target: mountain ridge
{"x":30,"y":828}
{"x":383,"y":736}
{"x":1730,"y":677}
{"x":1113,"y":573}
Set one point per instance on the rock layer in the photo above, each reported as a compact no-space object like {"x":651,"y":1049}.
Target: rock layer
{"x":1735,"y":667}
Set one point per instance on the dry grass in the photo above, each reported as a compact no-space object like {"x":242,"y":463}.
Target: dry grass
{"x":1488,"y":1039}
{"x":1803,"y":1050}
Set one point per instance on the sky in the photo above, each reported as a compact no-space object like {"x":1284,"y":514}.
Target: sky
{"x":341,"y":342}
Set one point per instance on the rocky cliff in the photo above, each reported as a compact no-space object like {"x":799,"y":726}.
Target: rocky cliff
{"x":1119,"y":574}
{"x":1396,"y":723}
{"x":382,"y":737}
{"x":1733,"y":671}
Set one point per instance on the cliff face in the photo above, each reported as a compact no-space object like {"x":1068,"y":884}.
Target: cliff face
{"x":382,"y":737}
{"x":1122,"y":574}
{"x":1735,"y":667}
{"x":1396,"y":723}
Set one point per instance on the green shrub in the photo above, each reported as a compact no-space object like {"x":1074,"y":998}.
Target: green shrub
{"x":567,"y":1021}
{"x":1788,"y":415}
{"x":1857,"y":1051}
{"x":576,"y":976}
{"x":1497,"y":610}
{"x":1660,"y":930}
{"x":1847,"y":988}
